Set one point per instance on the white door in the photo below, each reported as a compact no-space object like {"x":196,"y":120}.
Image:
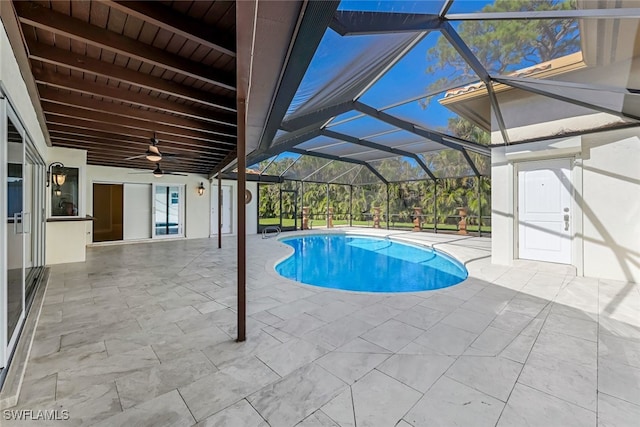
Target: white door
{"x":226,"y":210}
{"x":137,"y":211}
{"x":544,"y":217}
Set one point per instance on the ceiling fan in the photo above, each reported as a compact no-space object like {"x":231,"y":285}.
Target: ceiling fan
{"x":153,"y":154}
{"x":158,"y":172}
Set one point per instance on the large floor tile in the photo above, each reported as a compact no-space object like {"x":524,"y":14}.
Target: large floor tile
{"x":416,"y":371}
{"x":300,"y":325}
{"x":613,"y":412}
{"x":618,"y":380}
{"x":86,"y":407}
{"x":238,"y":414}
{"x":296,"y":396}
{"x":533,"y":408}
{"x":167,"y":410}
{"x":570,"y":349}
{"x":216,"y":391}
{"x":88,"y":372}
{"x":491,"y":342}
{"x":317,"y":419}
{"x":450,"y":403}
{"x":494,"y":376}
{"x":379,"y":400}
{"x":376,"y":314}
{"x":227,"y":351}
{"x":447,"y":340}
{"x":392,"y":335}
{"x":572,"y":382}
{"x":291,"y":355}
{"x":146,"y":384}
{"x":619,"y":350}
{"x":570,"y":325}
{"x":350,"y":367}
{"x":340,"y":409}
{"x":420,"y":317}
{"x":338,"y":333}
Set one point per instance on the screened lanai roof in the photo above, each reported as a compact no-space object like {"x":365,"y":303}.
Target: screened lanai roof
{"x":409,"y":90}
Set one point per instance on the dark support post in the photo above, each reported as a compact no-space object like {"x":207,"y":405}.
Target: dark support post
{"x":350,"y":205}
{"x":219,"y":210}
{"x":388,"y":212}
{"x":479,"y":207}
{"x":242,"y":221}
{"x":435,"y":205}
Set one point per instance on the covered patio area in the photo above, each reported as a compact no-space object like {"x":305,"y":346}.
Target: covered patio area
{"x":144,"y":334}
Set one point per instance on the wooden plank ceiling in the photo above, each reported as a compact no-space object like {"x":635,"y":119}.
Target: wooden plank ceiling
{"x":111,"y":74}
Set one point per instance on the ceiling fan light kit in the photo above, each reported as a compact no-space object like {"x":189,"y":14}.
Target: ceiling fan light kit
{"x":153,"y":154}
{"x":157,"y":172}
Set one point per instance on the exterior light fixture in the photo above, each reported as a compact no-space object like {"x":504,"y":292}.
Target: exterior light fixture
{"x":201,"y":189}
{"x":55,"y":173}
{"x":57,"y":191}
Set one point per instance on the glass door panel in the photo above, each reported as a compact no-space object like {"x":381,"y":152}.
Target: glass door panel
{"x":33,"y":220}
{"x":168,"y":210}
{"x":15,"y":232}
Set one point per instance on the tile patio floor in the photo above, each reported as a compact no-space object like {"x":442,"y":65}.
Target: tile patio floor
{"x":144,"y":335}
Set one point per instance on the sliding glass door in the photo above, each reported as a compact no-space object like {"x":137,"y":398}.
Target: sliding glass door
{"x":168,"y":207}
{"x":22,"y":260}
{"x":15,"y":268}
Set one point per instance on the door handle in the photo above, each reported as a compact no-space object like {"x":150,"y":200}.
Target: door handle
{"x":566,"y":222}
{"x":26,"y":222}
{"x":17,"y":219}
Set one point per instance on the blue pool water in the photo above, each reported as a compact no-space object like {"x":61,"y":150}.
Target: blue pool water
{"x":357,"y":263}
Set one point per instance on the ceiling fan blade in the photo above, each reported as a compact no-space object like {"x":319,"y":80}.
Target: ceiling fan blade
{"x":174,"y":173}
{"x":138,"y":173}
{"x":135,"y":157}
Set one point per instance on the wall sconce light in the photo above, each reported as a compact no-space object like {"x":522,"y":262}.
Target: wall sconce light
{"x":55,"y":173}
{"x":201,"y":189}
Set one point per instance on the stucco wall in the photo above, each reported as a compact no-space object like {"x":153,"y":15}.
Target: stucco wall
{"x":611,"y":208}
{"x":196,"y":207}
{"x":606,"y":201}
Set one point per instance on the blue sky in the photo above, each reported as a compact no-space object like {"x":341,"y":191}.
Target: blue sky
{"x":337,"y":57}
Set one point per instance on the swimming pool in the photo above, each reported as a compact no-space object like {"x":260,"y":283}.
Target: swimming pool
{"x":368,"y":264}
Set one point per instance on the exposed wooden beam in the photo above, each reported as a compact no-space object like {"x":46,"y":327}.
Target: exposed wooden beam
{"x":141,"y":147}
{"x":76,"y":84}
{"x":96,"y":116}
{"x":164,"y":17}
{"x":92,"y":160}
{"x":82,"y":124}
{"x":233,"y":154}
{"x":76,"y":126}
{"x":85,"y":102}
{"x":121,"y":154}
{"x":41,"y":17}
{"x":52,"y":55}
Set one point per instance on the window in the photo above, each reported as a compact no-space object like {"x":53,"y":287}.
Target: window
{"x":64,"y":198}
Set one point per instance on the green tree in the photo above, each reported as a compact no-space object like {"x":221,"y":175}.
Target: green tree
{"x":506,"y":45}
{"x":503,"y":46}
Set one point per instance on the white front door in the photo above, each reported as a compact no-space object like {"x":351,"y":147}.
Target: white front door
{"x":226,"y":210}
{"x":544,"y":217}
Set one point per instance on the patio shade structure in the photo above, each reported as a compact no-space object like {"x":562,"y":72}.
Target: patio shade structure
{"x":109,"y":75}
{"x":379,"y":95}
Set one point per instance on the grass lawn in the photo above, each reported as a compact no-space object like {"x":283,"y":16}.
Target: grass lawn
{"x":345,"y":222}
